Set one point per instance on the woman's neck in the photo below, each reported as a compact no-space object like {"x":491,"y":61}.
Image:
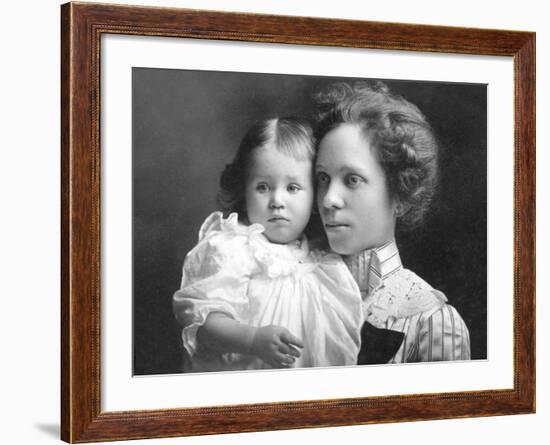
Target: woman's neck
{"x":363,"y":254}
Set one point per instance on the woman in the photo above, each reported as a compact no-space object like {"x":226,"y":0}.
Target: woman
{"x":376,"y":171}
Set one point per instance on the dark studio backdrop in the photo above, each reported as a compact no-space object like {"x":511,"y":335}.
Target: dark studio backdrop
{"x":188,"y":124}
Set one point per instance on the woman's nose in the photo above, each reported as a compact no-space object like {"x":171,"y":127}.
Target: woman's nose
{"x":331,"y":199}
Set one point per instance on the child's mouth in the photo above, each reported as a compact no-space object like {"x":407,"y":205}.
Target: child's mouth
{"x":278,"y":219}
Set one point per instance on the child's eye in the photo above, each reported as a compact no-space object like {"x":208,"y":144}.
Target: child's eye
{"x":293,"y":188}
{"x":354,"y":180}
{"x":322,"y":178}
{"x":262,"y":187}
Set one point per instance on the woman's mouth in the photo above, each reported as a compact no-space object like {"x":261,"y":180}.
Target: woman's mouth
{"x":336,"y":226}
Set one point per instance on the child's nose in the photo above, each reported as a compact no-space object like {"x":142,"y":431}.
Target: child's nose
{"x":277,"y":201}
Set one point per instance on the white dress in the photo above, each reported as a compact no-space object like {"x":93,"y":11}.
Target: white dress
{"x":234,"y":269}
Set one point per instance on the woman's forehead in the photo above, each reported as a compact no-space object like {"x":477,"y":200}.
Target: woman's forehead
{"x":345,"y":147}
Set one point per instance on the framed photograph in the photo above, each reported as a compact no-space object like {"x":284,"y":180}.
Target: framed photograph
{"x":214,"y":278}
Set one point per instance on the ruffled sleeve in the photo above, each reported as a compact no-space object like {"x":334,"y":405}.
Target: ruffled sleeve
{"x":215,"y":277}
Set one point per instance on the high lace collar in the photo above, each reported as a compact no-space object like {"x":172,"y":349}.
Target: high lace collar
{"x":388,"y":290}
{"x":371,"y":267}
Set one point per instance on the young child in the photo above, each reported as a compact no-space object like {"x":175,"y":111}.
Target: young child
{"x":252,"y":294}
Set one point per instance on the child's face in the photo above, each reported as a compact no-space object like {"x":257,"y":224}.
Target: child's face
{"x":352,"y":193}
{"x":279,"y":194}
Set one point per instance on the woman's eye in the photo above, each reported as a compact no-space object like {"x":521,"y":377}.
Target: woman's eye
{"x":322,"y":178}
{"x":293,"y":188}
{"x":354,"y":180}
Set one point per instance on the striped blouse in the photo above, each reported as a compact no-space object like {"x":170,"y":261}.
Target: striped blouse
{"x":396,"y":298}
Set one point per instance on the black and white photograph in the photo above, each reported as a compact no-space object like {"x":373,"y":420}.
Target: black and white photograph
{"x":275,"y":222}
{"x":292,"y":221}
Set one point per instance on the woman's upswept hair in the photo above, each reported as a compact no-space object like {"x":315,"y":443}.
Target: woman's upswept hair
{"x":404,"y":142}
{"x":289,"y":135}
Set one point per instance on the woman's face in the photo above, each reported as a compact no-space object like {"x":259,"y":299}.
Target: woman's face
{"x":356,"y":208}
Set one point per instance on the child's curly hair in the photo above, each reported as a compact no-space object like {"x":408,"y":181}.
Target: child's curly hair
{"x":405,"y":144}
{"x":289,"y":135}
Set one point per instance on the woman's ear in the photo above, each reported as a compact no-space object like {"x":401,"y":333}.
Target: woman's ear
{"x":397,"y":212}
{"x":399,"y":209}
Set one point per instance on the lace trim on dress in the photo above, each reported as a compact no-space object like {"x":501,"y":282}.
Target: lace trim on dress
{"x":389,"y":290}
{"x":401,"y":295}
{"x":273,"y":260}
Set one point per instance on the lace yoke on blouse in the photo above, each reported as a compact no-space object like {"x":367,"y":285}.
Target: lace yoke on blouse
{"x":396,"y":298}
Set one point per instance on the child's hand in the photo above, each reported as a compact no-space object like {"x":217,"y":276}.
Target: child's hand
{"x":276,"y":346}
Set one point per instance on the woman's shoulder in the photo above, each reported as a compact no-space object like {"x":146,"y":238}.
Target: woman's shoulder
{"x":428,"y":300}
{"x":406,"y":294}
{"x":405,"y":282}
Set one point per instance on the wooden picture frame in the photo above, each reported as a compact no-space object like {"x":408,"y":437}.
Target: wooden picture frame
{"x":82,"y":25}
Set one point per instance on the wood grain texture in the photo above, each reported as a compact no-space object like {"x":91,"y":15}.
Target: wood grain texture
{"x":65,"y":225}
{"x":525,"y":220}
{"x":81,"y":28}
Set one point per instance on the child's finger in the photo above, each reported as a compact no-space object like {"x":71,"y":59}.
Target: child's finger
{"x":284,"y":359}
{"x":290,"y":339}
{"x":289,"y":350}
